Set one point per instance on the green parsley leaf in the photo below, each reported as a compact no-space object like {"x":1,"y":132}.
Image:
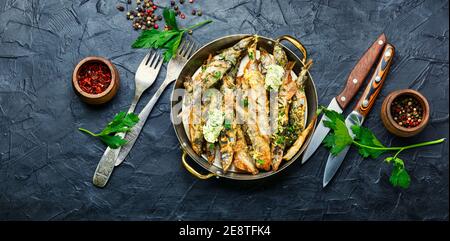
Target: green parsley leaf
{"x":170,"y":18}
{"x":227,"y":124}
{"x":339,"y":138}
{"x":174,"y":44}
{"x":250,"y":55}
{"x":260,"y":161}
{"x":364,"y":136}
{"x":280,"y":140}
{"x":217,"y":75}
{"x":169,"y":40}
{"x":211,"y":146}
{"x":122,"y":122}
{"x":113,"y":142}
{"x":399,"y":176}
{"x":245,"y":102}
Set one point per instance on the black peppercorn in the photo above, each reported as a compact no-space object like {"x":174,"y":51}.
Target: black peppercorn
{"x":199,"y":12}
{"x":159,"y":17}
{"x":120,"y":8}
{"x":194,"y":12}
{"x":181,"y":1}
{"x":129,"y":1}
{"x":175,"y":7}
{"x":172,"y":3}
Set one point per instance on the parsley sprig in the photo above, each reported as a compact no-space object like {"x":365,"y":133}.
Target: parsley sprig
{"x":368,"y":145}
{"x":169,"y":39}
{"x":122,"y":122}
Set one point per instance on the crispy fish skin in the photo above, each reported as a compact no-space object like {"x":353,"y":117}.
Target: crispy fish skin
{"x":211,"y":102}
{"x":258,"y":121}
{"x":242,"y":159}
{"x":287,"y":91}
{"x":195,"y":117}
{"x":221,"y":63}
{"x":279,"y":55}
{"x":227,"y":140}
{"x":297,"y":112}
{"x":266,"y":60}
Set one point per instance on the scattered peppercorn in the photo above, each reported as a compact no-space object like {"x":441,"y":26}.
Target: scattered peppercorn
{"x":120,"y":8}
{"x":155,"y":26}
{"x":407,"y":111}
{"x":144,"y":14}
{"x":190,"y":31}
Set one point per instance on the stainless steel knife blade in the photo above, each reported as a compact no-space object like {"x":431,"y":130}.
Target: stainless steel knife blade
{"x":334,"y":162}
{"x":321,"y":132}
{"x":354,"y":82}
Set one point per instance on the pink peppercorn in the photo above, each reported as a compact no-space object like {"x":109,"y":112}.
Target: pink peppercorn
{"x":155,"y":26}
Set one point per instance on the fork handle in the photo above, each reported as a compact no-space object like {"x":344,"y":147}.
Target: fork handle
{"x":106,"y":164}
{"x":133,"y":134}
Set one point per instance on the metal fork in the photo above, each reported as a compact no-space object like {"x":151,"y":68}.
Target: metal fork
{"x":173,"y":71}
{"x":145,"y":76}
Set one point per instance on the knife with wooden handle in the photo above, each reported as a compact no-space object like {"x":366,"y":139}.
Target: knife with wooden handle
{"x":352,"y":86}
{"x":362,"y":108}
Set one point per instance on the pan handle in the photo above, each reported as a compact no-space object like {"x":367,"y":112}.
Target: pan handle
{"x":296,"y":43}
{"x":192,"y":170}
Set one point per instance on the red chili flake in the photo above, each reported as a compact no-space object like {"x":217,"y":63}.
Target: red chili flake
{"x":94,"y":78}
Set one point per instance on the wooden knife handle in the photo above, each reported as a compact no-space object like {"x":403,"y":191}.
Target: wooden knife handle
{"x":367,"y":99}
{"x":360,"y":72}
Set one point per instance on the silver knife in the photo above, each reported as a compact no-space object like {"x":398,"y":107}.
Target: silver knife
{"x":359,"y":113}
{"x":353,"y":84}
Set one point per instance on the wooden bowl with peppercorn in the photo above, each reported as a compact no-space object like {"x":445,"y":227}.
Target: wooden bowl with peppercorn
{"x":96,"y":80}
{"x":405,"y":112}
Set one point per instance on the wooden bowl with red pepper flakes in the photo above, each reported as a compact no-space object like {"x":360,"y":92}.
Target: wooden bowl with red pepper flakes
{"x":405,"y":112}
{"x":96,"y":80}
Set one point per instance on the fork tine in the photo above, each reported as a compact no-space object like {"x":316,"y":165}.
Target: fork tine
{"x":186,"y":48}
{"x":144,"y":61}
{"x":157,"y":67}
{"x":191,"y":50}
{"x":181,"y":47}
{"x":149,"y":63}
{"x":156,"y":62}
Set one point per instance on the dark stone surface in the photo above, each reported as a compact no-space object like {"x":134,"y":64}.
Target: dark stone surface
{"x":46,"y":165}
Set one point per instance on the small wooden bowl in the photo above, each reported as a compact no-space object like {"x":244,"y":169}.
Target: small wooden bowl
{"x":391,"y":125}
{"x":103,"y":97}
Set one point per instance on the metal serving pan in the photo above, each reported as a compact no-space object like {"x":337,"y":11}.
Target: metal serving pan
{"x":196,"y":60}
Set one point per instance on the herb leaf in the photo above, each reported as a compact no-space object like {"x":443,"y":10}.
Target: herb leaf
{"x":368,"y":145}
{"x":399,"y":175}
{"x":155,"y":39}
{"x":122,"y":122}
{"x":364,"y":136}
{"x":113,"y":142}
{"x":169,"y":40}
{"x":169,"y":18}
{"x":173,"y":44}
{"x":339,"y":138}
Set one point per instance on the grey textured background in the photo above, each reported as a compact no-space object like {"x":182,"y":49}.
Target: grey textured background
{"x":46,"y":165}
